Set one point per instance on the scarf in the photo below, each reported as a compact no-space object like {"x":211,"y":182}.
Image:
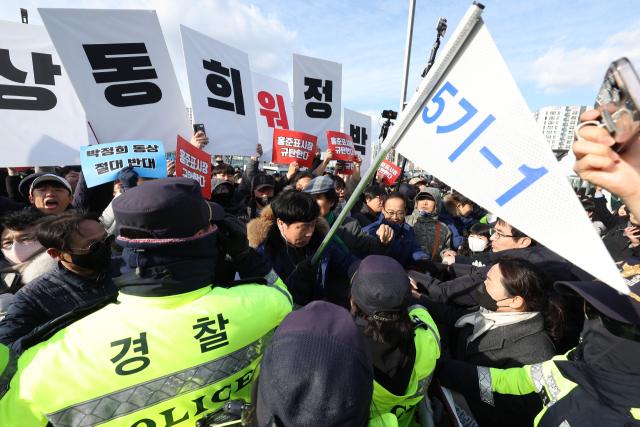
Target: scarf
{"x":484,"y":320}
{"x":331,"y":218}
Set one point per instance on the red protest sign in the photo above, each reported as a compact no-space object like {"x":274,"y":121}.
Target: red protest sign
{"x":290,"y":146}
{"x":191,"y":162}
{"x":390,"y":171}
{"x":345,"y":167}
{"x":342,"y":146}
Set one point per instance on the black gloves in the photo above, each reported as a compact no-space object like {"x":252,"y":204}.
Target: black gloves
{"x":128,"y":177}
{"x":427,"y":265}
{"x":232,"y":237}
{"x":305,"y":268}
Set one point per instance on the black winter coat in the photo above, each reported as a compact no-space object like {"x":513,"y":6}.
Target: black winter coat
{"x":50,"y":296}
{"x":364,"y":216}
{"x":616,"y":241}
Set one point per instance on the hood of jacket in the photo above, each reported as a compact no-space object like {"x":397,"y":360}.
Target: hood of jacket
{"x":258,"y":228}
{"x":435,"y":193}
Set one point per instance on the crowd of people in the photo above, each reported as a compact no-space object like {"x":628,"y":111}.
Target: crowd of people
{"x":140,"y":302}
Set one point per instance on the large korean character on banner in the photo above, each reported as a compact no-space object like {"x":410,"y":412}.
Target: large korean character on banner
{"x":120,"y":67}
{"x":191,"y":162}
{"x":358,"y":125}
{"x":273,"y":108}
{"x":42,"y":122}
{"x":342,"y":146}
{"x":221,"y":93}
{"x":291,"y":146}
{"x":317,"y":96}
{"x":389,"y":171}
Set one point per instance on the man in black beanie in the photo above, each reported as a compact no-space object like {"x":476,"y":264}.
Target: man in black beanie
{"x":172,"y":345}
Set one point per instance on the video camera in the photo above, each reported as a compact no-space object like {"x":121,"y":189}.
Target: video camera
{"x":389,"y":114}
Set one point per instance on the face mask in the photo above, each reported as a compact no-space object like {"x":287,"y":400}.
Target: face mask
{"x":20,"y":252}
{"x":97,"y":261}
{"x":265,"y":200}
{"x":425,"y":213}
{"x":491,"y":218}
{"x":223,"y":199}
{"x":485,"y":300}
{"x":477,"y":245}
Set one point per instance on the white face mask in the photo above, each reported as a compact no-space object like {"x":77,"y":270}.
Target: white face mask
{"x":20,"y":252}
{"x":491,"y":218}
{"x":477,"y":245}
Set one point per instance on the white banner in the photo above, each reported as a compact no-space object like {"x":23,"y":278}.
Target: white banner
{"x":273,"y":108}
{"x":42,"y":122}
{"x":221,"y":94}
{"x":317,"y":94}
{"x":120,"y":68}
{"x":474,"y":131}
{"x":358,"y":125}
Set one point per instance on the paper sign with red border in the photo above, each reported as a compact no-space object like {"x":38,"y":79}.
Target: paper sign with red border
{"x":390,"y":171}
{"x":342,"y":146}
{"x":290,"y":146}
{"x":191,"y":162}
{"x":347,"y":167}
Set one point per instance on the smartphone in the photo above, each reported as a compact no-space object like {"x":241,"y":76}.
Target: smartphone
{"x":618,"y":102}
{"x":199,"y":127}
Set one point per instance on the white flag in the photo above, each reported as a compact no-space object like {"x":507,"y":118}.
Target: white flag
{"x":42,"y":122}
{"x":474,"y":131}
{"x":120,"y":68}
{"x":221,"y":94}
{"x":317,"y":94}
{"x":273,"y":108}
{"x":358,"y":125}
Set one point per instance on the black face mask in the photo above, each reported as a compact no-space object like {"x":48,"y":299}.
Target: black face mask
{"x":223,"y":199}
{"x":265,"y":200}
{"x":485,"y":300}
{"x":607,"y":351}
{"x":97,"y":261}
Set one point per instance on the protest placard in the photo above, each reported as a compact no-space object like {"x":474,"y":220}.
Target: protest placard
{"x":345,"y":167}
{"x":358,"y":125}
{"x":194,"y":163}
{"x":291,"y":146}
{"x":120,"y":68}
{"x":273,"y":108}
{"x":42,"y":122}
{"x":102,"y":163}
{"x":469,"y":125}
{"x":390,"y":171}
{"x":221,"y":93}
{"x":317,"y":96}
{"x":342,"y":146}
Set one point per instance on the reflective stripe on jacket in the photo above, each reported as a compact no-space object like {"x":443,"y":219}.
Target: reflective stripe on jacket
{"x":155,"y":361}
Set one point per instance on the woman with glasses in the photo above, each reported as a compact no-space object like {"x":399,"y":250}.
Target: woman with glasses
{"x":405,"y":247}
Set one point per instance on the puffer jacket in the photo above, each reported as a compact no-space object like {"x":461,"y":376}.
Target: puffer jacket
{"x":426,"y":227}
{"x":332,"y":279}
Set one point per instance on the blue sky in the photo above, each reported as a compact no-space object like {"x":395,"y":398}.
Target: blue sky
{"x":557,"y":51}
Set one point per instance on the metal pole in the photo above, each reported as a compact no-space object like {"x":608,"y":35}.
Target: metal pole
{"x":407,"y":54}
{"x":461,"y":33}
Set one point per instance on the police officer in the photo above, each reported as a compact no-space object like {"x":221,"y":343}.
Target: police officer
{"x":172,"y":346}
{"x":404,"y":339}
{"x":595,"y":384}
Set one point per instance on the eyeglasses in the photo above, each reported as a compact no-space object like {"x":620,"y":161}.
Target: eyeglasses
{"x":398,"y":214}
{"x":95,"y":246}
{"x":619,"y":329}
{"x":500,"y":235}
{"x":339,"y":189}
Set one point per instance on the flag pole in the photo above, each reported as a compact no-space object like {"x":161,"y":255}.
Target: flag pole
{"x":450,"y":50}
